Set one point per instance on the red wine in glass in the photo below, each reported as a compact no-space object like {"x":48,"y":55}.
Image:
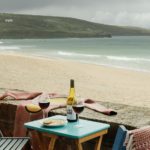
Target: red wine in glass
{"x":43,"y":105}
{"x":78,"y":108}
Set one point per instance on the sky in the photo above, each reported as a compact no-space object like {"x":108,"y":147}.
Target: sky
{"x":113,"y":12}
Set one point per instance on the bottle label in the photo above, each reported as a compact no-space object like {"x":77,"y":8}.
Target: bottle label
{"x":71,"y":115}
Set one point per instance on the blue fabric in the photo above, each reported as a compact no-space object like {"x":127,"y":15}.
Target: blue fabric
{"x":120,"y":138}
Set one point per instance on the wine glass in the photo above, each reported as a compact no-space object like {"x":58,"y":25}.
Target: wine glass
{"x":78,"y":108}
{"x":44,"y":104}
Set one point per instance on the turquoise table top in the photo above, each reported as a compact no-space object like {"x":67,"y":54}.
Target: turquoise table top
{"x":69,"y":129}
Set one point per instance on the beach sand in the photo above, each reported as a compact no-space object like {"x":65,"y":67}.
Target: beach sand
{"x":91,"y":81}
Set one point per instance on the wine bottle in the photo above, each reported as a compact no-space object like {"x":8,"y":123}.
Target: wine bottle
{"x":71,"y":100}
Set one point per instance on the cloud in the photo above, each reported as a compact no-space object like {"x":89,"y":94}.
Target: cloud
{"x":123,"y":18}
{"x":17,"y":5}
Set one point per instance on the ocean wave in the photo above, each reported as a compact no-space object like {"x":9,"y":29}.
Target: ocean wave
{"x":9,"y":48}
{"x":123,"y":58}
{"x":65,"y":53}
{"x":1,"y":42}
{"x":104,"y":57}
{"x":77,"y":54}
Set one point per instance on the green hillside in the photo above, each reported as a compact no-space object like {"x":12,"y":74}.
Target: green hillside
{"x":30,"y":26}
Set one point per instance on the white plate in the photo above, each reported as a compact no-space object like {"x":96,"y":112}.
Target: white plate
{"x":53,"y":122}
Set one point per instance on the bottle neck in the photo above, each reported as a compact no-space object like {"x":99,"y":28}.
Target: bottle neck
{"x":72,"y":89}
{"x":71,"y":83}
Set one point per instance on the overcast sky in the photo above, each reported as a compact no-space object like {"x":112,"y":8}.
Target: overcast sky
{"x":115,"y":12}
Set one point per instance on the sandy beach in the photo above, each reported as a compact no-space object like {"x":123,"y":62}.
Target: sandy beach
{"x":91,"y":81}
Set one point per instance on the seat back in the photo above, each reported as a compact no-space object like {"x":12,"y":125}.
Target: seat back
{"x":120,"y":138}
{"x":13,"y":143}
{"x":1,"y":134}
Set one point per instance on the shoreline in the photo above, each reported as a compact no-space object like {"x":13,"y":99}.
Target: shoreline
{"x":98,"y":82}
{"x":71,"y":60}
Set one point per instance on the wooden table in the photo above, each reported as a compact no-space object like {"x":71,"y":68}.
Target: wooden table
{"x":89,"y":130}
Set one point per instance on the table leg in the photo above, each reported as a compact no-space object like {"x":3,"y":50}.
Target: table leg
{"x":68,"y":147}
{"x":79,"y":145}
{"x":41,"y":141}
{"x":98,"y":135}
{"x":52,"y":142}
{"x":98,"y":143}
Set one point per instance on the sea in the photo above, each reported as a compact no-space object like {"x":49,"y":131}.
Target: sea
{"x":128,"y":52}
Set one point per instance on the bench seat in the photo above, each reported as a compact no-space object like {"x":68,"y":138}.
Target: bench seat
{"x":13,"y":143}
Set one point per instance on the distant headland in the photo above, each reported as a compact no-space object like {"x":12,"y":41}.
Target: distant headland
{"x":13,"y":26}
